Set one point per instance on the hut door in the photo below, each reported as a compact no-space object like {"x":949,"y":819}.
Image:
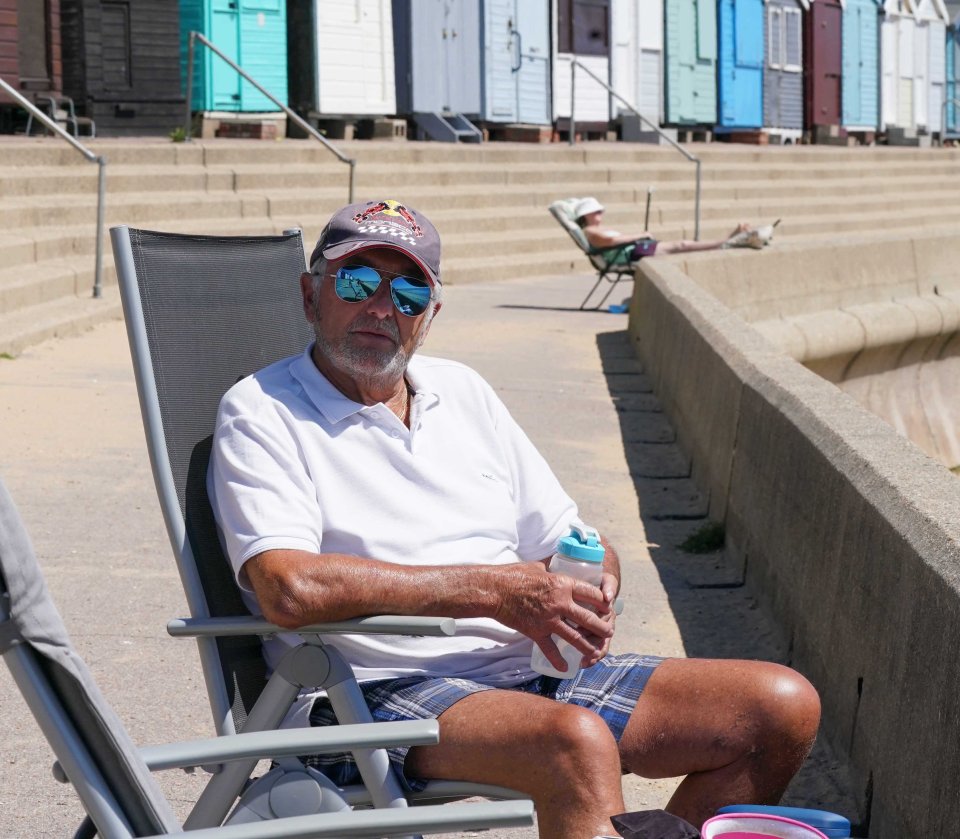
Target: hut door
{"x":225,"y":33}
{"x":459,"y":82}
{"x":905,"y":74}
{"x":853,"y":25}
{"x":532,"y":69}
{"x":921,"y":84}
{"x":937,"y":74}
{"x":32,"y":45}
{"x":826,"y":21}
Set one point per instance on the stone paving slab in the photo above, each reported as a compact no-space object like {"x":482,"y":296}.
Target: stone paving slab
{"x":73,"y":456}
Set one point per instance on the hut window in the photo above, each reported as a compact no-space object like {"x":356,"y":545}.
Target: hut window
{"x":784,"y":50}
{"x":706,"y":30}
{"x":116,"y":45}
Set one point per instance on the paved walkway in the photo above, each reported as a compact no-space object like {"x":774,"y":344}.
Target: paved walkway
{"x":73,"y":456}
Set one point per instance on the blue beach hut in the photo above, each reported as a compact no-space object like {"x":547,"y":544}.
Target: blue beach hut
{"x":783,"y":71}
{"x":860,"y":85}
{"x":690,"y":78}
{"x":253,"y":33}
{"x":739,"y":64}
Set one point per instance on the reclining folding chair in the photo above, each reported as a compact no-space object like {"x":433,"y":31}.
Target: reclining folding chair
{"x":610,"y":269}
{"x":202,"y":312}
{"x":112,"y":778}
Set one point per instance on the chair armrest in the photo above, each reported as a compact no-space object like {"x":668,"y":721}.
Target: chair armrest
{"x":387,"y":822}
{"x":290,"y":743}
{"x":377,"y":625}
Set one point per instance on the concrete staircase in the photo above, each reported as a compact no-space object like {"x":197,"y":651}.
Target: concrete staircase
{"x":488,"y":201}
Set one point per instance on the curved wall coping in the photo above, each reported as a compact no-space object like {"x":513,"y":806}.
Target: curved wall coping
{"x":848,"y":532}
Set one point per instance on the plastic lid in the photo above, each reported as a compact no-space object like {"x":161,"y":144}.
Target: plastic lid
{"x":582,"y":543}
{"x":832,"y":825}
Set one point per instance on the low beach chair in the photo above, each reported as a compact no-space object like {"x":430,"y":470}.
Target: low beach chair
{"x":112,"y":777}
{"x":610,"y":269}
{"x":202,"y":312}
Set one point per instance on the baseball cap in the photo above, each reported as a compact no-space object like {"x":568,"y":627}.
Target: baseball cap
{"x":586,"y":205}
{"x":381,"y":224}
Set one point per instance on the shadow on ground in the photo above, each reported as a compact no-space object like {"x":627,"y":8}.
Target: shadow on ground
{"x":716,"y":613}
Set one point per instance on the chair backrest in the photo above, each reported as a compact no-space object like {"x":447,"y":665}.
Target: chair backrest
{"x":88,"y":739}
{"x":202,"y":312}
{"x":563,"y":211}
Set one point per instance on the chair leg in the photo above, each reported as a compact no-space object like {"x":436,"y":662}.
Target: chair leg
{"x":600,"y":279}
{"x":613,"y":285}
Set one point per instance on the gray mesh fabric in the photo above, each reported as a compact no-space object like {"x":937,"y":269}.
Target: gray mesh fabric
{"x":216,"y":309}
{"x":35,"y":623}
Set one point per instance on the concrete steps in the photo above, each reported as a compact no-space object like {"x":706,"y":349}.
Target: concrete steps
{"x":488,"y":201}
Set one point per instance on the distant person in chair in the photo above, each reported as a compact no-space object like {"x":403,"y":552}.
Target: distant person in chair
{"x":361,"y":478}
{"x":589,"y":215}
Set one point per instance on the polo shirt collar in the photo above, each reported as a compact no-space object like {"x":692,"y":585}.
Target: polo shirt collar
{"x":330,"y":402}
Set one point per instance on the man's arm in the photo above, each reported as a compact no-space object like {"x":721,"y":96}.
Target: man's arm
{"x":297,"y":588}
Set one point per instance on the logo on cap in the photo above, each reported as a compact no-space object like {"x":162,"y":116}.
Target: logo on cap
{"x":395,"y":215}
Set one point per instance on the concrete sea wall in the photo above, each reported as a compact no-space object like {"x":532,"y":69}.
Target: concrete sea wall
{"x":847,"y":532}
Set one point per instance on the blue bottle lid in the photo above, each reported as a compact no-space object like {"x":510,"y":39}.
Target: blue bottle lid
{"x":583,"y":543}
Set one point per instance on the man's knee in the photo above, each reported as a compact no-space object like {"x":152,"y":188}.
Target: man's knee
{"x":578,"y":738}
{"x":789,"y":705}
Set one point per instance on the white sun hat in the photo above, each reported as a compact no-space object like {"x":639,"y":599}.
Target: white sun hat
{"x":586,"y":206}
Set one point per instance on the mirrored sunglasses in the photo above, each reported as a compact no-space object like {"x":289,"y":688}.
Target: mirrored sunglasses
{"x":356,"y":283}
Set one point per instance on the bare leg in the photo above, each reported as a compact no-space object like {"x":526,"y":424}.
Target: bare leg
{"x":739,"y":731}
{"x":562,"y":756}
{"x":689,"y":245}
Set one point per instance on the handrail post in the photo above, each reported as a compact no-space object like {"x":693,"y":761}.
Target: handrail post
{"x":101,"y":161}
{"x":696,"y":209}
{"x":101,"y":197}
{"x":691,"y":157}
{"x":573,"y":99}
{"x":353,"y":170}
{"x":188,"y":117}
{"x":306,"y":126}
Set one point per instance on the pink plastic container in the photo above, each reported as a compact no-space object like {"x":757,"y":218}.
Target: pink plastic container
{"x":757,"y":826}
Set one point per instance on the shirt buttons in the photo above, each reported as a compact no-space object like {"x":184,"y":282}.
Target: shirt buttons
{"x":395,"y":434}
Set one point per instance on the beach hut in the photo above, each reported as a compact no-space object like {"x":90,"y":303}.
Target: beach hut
{"x":253,"y":33}
{"x":930,"y":62}
{"x":739,"y":65}
{"x":486,"y":59}
{"x":636,"y":56}
{"x":121,"y":64}
{"x":29,"y":54}
{"x":783,"y":72}
{"x":690,"y":79}
{"x":897,"y":37}
{"x":341,"y":57}
{"x":582,"y":32}
{"x":822,"y":50}
{"x":860,"y":90}
{"x":952,"y":60}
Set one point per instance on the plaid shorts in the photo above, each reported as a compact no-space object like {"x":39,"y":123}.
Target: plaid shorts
{"x":610,"y":688}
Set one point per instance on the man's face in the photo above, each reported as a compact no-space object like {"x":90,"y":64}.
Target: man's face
{"x":368,"y":340}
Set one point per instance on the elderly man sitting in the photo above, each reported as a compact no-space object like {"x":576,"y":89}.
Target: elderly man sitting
{"x":358,"y":479}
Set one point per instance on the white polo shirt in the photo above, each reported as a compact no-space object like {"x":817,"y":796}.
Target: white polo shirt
{"x":298,"y":465}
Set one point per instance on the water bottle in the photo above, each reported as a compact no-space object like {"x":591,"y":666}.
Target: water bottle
{"x":579,"y":555}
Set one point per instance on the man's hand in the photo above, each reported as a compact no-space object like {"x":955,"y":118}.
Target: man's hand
{"x":540,"y":604}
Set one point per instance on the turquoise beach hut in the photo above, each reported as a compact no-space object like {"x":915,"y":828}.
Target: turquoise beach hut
{"x":690,"y":78}
{"x":860,"y":85}
{"x":739,"y":64}
{"x":253,"y":33}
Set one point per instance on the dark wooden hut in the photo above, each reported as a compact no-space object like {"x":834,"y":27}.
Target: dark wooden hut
{"x":122,"y":64}
{"x":29,"y":51}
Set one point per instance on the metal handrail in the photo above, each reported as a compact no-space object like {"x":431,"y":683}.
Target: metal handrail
{"x":196,"y":36}
{"x":99,"y":159}
{"x":573,"y":134}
